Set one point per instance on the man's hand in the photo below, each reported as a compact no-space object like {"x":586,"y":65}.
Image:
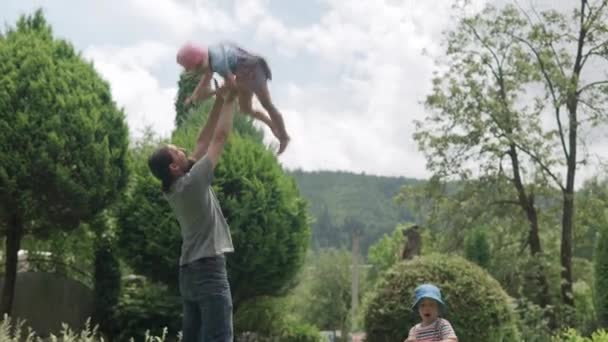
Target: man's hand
{"x":227,"y":91}
{"x":189,"y":100}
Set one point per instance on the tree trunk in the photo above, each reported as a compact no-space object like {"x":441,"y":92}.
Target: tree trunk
{"x":527,"y":204}
{"x":13,"y":242}
{"x":566,"y":249}
{"x":568,"y":208}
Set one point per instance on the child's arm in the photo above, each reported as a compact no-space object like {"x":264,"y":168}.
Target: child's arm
{"x":200,"y":92}
{"x":411,"y":336}
{"x":447,"y":332}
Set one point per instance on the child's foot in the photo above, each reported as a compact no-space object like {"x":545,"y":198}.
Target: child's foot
{"x":283,"y":142}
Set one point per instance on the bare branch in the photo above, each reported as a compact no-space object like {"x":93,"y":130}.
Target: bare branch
{"x":592,"y":84}
{"x":541,"y":164}
{"x":590,"y":106}
{"x":592,"y":51}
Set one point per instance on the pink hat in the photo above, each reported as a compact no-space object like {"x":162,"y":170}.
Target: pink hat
{"x":190,"y":55}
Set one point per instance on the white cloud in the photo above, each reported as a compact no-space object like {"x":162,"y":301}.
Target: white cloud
{"x":134,"y":87}
{"x":184,"y":18}
{"x":144,"y":54}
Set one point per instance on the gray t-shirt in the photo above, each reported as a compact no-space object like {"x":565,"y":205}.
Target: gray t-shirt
{"x":205,"y":232}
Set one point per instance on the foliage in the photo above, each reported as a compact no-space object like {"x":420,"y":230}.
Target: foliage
{"x":61,"y":252}
{"x":106,"y":287}
{"x":385,"y":253}
{"x":591,"y":218}
{"x":270,"y":319}
{"x":185,"y":85}
{"x":478,"y":307}
{"x":299,"y":332}
{"x":328,"y":303}
{"x":477,"y":248}
{"x":147,"y":307}
{"x":572,"y":335}
{"x":532,"y":322}
{"x":585,"y":316}
{"x":601,"y":278}
{"x":265,"y":316}
{"x":63,"y":147}
{"x":489,"y":107}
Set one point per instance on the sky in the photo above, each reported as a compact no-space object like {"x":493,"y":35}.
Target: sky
{"x":348,"y":76}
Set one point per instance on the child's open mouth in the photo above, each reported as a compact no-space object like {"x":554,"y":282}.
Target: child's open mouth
{"x":427,"y":315}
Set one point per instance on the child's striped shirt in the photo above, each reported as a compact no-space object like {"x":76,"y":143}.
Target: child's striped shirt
{"x":437,"y":331}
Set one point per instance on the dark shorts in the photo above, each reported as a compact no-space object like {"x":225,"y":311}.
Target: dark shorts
{"x":253,"y":72}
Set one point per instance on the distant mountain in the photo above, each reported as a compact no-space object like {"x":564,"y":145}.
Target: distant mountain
{"x":339,"y":199}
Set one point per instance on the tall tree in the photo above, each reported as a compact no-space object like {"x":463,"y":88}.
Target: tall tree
{"x":563,"y":48}
{"x":476,"y":125}
{"x":63,"y":144}
{"x":516,"y":69}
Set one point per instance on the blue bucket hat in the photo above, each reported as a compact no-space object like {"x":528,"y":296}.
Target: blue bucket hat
{"x":427,"y":291}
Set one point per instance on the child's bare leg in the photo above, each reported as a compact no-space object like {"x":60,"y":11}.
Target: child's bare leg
{"x":277,"y":118}
{"x":246,"y":106}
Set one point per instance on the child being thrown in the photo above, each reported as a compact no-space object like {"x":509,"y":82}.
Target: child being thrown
{"x":248,"y":72}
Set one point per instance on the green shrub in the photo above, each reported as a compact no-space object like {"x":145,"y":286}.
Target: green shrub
{"x":270,"y":319}
{"x":601,"y":278}
{"x":147,"y":306}
{"x":300,"y":332}
{"x":107,"y":275}
{"x":478,"y":307}
{"x":585,"y":317}
{"x":477,"y":248}
{"x":532,"y":322}
{"x":572,"y":335}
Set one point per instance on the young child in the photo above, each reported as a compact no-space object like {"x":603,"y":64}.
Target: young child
{"x":428,"y":302}
{"x":248,"y":72}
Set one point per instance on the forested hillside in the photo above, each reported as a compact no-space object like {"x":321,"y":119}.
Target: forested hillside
{"x":340,"y":200}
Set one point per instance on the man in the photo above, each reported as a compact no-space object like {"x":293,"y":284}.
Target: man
{"x":186,"y":183}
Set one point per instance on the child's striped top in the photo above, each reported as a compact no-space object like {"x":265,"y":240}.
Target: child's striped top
{"x":437,"y":331}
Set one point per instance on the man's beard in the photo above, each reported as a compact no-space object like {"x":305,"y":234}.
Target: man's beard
{"x":190,"y":164}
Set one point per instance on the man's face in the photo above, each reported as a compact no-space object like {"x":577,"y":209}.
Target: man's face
{"x":428,"y":310}
{"x":181,"y":164}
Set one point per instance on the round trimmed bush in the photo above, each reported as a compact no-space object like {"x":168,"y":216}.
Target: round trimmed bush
{"x":477,"y":306}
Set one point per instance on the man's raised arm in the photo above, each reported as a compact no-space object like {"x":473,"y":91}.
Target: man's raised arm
{"x":222,"y":129}
{"x":206,"y":133}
